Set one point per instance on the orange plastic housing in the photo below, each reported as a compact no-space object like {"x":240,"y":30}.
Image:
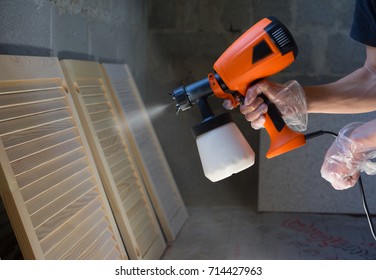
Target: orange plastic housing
{"x":235,"y":65}
{"x":282,"y":141}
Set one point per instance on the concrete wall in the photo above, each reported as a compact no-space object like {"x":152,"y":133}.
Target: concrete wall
{"x":100,"y":30}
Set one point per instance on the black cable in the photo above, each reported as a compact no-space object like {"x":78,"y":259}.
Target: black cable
{"x":371,"y":227}
{"x":360,"y":182}
{"x":319,"y":133}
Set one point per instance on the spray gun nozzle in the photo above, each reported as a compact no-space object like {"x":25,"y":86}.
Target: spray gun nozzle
{"x":181,"y":98}
{"x":178,"y":109}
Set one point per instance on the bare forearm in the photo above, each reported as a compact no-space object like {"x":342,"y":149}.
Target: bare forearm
{"x":355,"y":93}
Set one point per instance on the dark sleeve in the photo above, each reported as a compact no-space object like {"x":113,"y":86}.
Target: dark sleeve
{"x":363,"y":28}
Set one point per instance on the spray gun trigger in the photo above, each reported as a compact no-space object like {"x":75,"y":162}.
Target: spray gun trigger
{"x":239,"y":98}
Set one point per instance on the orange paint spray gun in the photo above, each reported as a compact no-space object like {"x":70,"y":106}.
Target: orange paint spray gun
{"x":264,"y":50}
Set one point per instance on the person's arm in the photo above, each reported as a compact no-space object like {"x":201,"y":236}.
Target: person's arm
{"x":354,"y":93}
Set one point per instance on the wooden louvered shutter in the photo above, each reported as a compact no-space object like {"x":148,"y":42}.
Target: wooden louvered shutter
{"x":48,"y":181}
{"x":115,"y":160}
{"x":162,"y":187}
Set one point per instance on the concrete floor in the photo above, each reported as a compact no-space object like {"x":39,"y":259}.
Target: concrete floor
{"x":241,"y":233}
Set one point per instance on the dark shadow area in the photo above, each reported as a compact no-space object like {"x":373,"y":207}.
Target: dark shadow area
{"x":110,"y":60}
{"x":9,"y":249}
{"x":12,"y":49}
{"x":73,"y":55}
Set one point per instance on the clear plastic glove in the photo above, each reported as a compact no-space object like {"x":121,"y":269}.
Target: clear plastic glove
{"x":348,"y":156}
{"x":289,"y":98}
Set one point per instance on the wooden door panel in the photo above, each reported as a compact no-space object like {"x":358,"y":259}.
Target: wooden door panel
{"x":161,"y":185}
{"x":115,"y":160}
{"x":49,"y":184}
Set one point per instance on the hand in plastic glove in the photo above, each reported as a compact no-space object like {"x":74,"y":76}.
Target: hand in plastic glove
{"x":350,"y":154}
{"x":289,"y":99}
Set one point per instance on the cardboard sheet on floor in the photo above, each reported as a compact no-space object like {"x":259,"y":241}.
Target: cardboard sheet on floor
{"x":115,"y":160}
{"x":251,"y":235}
{"x":48,"y":181}
{"x":161,"y":185}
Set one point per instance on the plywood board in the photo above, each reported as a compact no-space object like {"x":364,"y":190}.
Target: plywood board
{"x":48,"y":181}
{"x":161,"y":185}
{"x":115,"y":160}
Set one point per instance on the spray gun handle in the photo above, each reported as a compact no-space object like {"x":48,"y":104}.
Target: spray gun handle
{"x":282,"y":138}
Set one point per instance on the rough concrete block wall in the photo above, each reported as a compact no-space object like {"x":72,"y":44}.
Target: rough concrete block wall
{"x":185,"y":39}
{"x":102,"y":30}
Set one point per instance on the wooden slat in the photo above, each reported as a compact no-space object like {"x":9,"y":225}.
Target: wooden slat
{"x":101,"y":116}
{"x":20,"y":124}
{"x":112,"y":255}
{"x":29,"y":97}
{"x":56,"y":222}
{"x":95,"y":100}
{"x":101,"y":124}
{"x":116,"y":158}
{"x":61,"y":203}
{"x":44,"y":157}
{"x":42,"y":173}
{"x":110,"y":141}
{"x":89,"y":239}
{"x":35,"y":133}
{"x":161,"y":185}
{"x":119,"y":166}
{"x":112,"y":150}
{"x":90,"y":91}
{"x":107,"y":133}
{"x":76,"y":236}
{"x":102,"y":248}
{"x":53,"y":239}
{"x":8,"y":113}
{"x":98,"y":108}
{"x":34,"y":85}
{"x":47,"y":190}
{"x":49,"y":182}
{"x":40,"y":144}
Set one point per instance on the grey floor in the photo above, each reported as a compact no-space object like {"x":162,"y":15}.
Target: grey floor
{"x":241,"y":233}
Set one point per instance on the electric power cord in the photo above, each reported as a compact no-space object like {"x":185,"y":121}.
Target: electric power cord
{"x":360,"y":182}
